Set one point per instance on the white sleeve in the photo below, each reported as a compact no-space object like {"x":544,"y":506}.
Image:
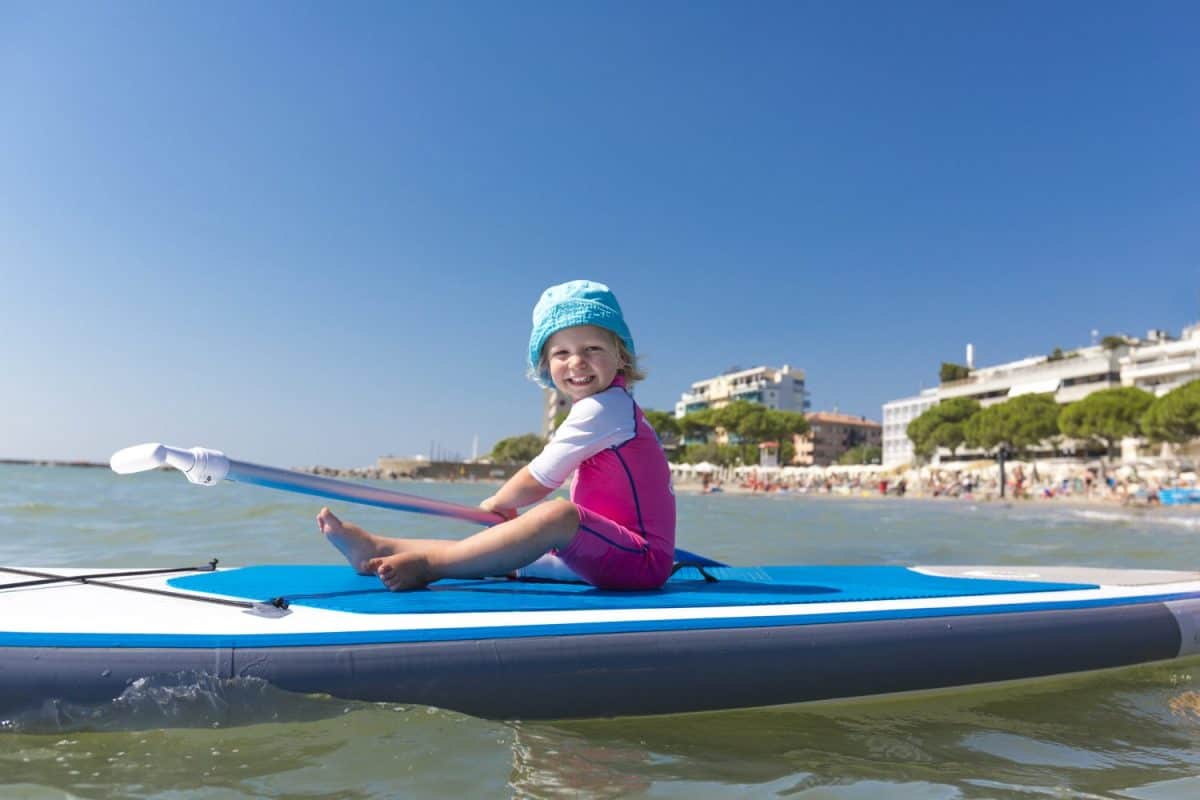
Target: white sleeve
{"x":595,"y":423}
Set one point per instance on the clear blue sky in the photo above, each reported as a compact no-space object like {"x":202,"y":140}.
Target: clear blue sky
{"x":313,"y":232}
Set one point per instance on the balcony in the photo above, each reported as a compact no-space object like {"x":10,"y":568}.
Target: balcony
{"x":1158,"y":368}
{"x":1043,"y":372}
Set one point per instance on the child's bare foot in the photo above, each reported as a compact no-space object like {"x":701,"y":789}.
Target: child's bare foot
{"x":402,"y":571}
{"x":356,"y":544}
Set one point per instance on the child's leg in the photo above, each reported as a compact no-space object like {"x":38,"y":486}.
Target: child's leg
{"x":609,"y":555}
{"x":497,"y":550}
{"x":360,"y":546}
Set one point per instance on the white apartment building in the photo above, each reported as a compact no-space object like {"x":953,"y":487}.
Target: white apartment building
{"x":1074,"y":376}
{"x":1158,"y":364}
{"x":897,"y":447}
{"x":781,"y":389}
{"x":1161,"y":365}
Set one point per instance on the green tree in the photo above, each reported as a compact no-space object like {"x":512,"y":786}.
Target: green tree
{"x":517,"y":449}
{"x":747,"y":425}
{"x":1112,"y":343}
{"x":941,"y":426}
{"x":953,"y":372}
{"x":1174,"y":417}
{"x":1019,"y":423}
{"x":736,"y":417}
{"x":788,"y":423}
{"x":757,"y":425}
{"x":668,"y":430}
{"x":1106,"y":416}
{"x":663,"y":422}
{"x":754,"y":423}
{"x":863,"y":454}
{"x":701,"y":451}
{"x":723,"y":454}
{"x":768,"y":424}
{"x":696,"y":425}
{"x":779,"y":426}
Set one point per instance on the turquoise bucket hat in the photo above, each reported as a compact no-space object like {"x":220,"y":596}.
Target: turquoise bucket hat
{"x":567,"y":305}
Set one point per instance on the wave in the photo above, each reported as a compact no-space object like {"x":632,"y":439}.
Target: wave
{"x":179,"y":700}
{"x":32,"y":509}
{"x":1190,"y":522}
{"x":1182,"y":522}
{"x":1106,"y":516}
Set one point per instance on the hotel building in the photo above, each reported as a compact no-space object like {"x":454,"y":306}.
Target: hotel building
{"x":897,"y":447}
{"x":781,"y":389}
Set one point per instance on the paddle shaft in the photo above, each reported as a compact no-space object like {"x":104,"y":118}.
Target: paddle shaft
{"x":321,"y":486}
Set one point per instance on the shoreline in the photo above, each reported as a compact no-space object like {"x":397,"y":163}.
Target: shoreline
{"x":52,"y":462}
{"x":1096,"y":502}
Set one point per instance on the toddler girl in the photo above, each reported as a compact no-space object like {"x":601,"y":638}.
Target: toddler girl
{"x":618,"y":529}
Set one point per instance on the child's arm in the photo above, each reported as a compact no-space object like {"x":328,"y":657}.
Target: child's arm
{"x":518,"y":491}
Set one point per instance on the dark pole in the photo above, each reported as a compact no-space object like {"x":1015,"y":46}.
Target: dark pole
{"x":1000,"y":455}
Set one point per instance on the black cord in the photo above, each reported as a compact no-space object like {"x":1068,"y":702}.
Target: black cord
{"x":92,"y":579}
{"x":698,"y":567}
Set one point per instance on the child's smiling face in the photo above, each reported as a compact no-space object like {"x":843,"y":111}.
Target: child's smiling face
{"x":583,"y":360}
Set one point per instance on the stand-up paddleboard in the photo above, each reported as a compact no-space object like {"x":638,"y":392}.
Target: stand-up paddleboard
{"x":714,"y":637}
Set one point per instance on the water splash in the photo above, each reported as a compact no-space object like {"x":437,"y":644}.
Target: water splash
{"x":187,"y":699}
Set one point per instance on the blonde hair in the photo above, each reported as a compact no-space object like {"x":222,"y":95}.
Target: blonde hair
{"x":630,"y":369}
{"x":629,"y":364}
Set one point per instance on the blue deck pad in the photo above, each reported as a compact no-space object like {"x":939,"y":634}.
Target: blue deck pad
{"x":338,"y":588}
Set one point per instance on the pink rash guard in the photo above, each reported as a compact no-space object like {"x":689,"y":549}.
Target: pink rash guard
{"x":622,"y":488}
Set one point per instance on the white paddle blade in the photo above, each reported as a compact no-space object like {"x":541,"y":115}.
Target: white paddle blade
{"x":139,"y":458}
{"x":199,"y":464}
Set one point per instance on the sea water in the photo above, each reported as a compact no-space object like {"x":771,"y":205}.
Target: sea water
{"x":1131,"y":733}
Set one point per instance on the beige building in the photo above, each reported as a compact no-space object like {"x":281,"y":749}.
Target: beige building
{"x":831,"y":434}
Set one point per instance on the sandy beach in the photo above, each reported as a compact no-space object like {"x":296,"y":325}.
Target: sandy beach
{"x":1103,"y":497}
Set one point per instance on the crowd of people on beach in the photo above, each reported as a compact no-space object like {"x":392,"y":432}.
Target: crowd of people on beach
{"x":1126,"y":484}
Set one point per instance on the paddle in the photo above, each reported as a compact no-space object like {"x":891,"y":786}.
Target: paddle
{"x":207,"y":467}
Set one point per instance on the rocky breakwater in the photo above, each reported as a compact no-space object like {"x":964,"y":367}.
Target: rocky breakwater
{"x":391,"y":469}
{"x":352,"y":473}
